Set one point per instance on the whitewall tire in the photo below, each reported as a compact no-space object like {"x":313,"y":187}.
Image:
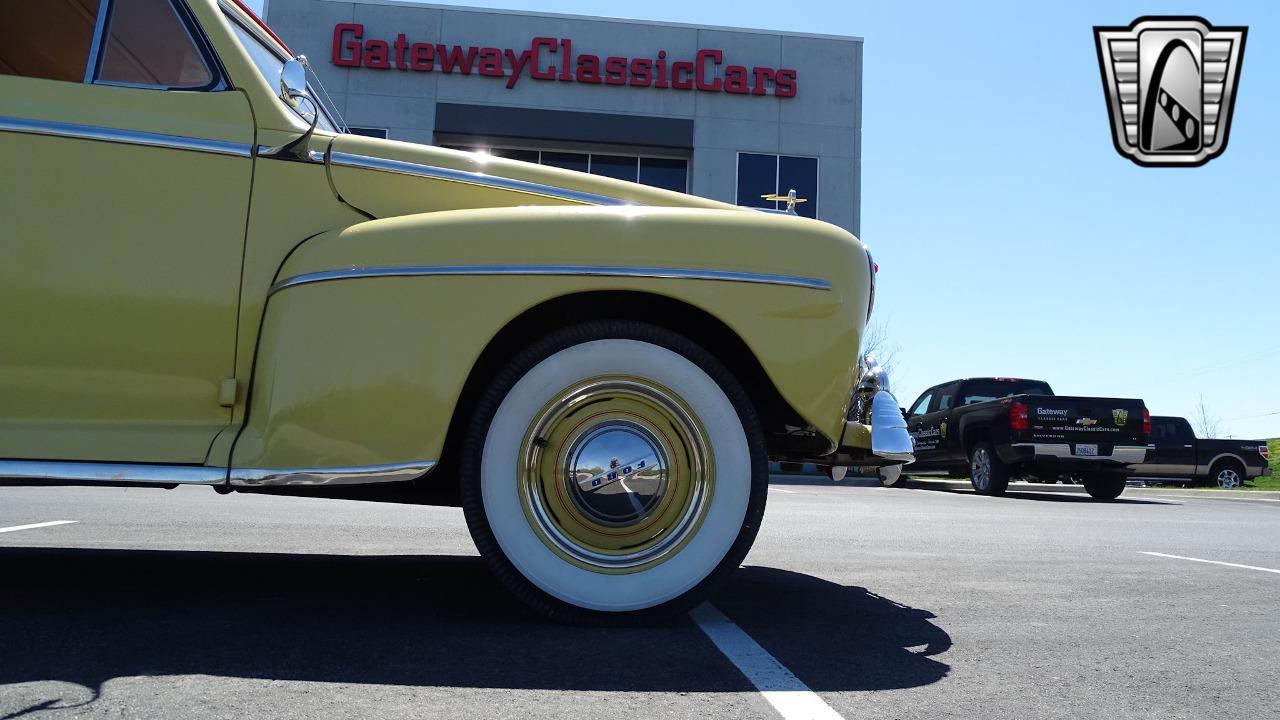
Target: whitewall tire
{"x":614,"y":471}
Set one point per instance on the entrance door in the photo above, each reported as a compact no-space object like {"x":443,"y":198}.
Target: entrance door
{"x":123,"y":202}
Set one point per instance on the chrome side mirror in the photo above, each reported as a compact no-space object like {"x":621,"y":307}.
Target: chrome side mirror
{"x":293,"y":81}
{"x":293,"y":90}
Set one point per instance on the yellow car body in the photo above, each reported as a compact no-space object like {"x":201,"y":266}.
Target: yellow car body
{"x":184,"y":304}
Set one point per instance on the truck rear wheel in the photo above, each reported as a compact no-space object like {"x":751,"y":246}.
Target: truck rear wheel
{"x":613,"y":472}
{"x":987,"y":472}
{"x":1226,"y":475}
{"x":1104,"y":487}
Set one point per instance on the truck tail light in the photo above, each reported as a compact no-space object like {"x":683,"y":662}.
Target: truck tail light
{"x":1019,"y":418}
{"x":1265,"y":452}
{"x":1146,"y":421}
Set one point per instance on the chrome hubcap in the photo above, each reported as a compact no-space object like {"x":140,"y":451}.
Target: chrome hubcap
{"x":616,"y":474}
{"x":980,"y":469}
{"x":1228,"y":479}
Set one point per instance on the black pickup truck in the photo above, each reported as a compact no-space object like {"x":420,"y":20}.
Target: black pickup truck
{"x":995,"y":429}
{"x":1177,"y":455}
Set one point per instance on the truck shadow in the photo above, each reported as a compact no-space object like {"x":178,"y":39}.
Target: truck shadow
{"x":86,"y":616}
{"x":1060,"y":494}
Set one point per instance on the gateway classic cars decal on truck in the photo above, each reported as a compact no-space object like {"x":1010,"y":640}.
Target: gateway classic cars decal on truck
{"x":539,"y":61}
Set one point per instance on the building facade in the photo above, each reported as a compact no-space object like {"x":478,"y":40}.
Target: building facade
{"x":725,"y":113}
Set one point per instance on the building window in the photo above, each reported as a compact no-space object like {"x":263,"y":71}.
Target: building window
{"x":760,"y":174}
{"x":368,"y":132}
{"x":665,"y":173}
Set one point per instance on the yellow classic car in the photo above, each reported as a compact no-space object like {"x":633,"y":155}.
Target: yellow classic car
{"x":206,"y":281}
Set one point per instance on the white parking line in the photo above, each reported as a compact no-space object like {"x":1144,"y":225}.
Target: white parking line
{"x":33,"y":526}
{"x":789,"y":492}
{"x":1212,"y":562}
{"x":784,"y":691}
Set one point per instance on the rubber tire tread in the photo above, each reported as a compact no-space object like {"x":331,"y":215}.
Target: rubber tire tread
{"x":999,"y":471}
{"x":1219,"y":466}
{"x":1104,"y":487}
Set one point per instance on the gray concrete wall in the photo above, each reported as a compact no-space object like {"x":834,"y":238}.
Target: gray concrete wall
{"x":824,"y":119}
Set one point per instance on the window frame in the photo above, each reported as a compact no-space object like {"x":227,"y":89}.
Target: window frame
{"x":927,"y":394}
{"x":777,"y":178}
{"x":333,"y":125}
{"x":217,"y":74}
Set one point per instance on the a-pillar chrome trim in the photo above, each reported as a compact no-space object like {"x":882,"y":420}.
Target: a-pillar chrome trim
{"x":588,"y":270}
{"x":90,"y":472}
{"x":353,"y":475}
{"x":366,"y":162}
{"x":127,"y":137}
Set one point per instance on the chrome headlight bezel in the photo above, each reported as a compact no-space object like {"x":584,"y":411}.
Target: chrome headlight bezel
{"x":871,"y":270}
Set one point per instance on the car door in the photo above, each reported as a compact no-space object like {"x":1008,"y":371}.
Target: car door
{"x":949,"y":446}
{"x":124,"y":196}
{"x":923,"y":429}
{"x":1174,"y":454}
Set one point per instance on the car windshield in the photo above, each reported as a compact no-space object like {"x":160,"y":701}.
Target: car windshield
{"x":976,"y":391}
{"x":270,"y":63}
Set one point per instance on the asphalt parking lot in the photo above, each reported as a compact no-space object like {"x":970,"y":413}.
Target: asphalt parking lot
{"x":881,"y":603}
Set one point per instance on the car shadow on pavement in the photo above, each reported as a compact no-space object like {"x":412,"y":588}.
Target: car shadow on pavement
{"x":1062,"y":495}
{"x":86,"y":616}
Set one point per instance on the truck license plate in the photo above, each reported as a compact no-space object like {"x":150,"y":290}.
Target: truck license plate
{"x":1087,"y":450}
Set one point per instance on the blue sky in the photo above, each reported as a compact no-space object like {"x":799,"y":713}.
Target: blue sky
{"x":1013,"y":239}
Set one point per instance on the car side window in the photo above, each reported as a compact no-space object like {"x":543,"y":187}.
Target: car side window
{"x":1182,"y":431}
{"x":945,"y":396}
{"x":922,"y":405}
{"x":49,"y":39}
{"x":147,"y":44}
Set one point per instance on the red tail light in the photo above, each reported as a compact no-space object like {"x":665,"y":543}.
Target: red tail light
{"x":1019,"y":418}
{"x":1146,"y":421}
{"x":1265,"y":452}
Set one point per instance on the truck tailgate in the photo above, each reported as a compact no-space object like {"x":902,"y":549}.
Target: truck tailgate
{"x":1104,"y":422}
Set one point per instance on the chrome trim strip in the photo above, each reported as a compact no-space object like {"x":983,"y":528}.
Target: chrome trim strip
{"x":111,"y":472}
{"x":587,"y":270}
{"x":474,"y":178}
{"x":355,"y":475}
{"x":128,"y":137}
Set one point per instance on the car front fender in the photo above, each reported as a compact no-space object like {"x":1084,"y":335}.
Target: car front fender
{"x":371,"y":332}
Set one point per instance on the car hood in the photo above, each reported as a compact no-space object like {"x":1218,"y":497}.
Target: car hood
{"x":385,"y":178}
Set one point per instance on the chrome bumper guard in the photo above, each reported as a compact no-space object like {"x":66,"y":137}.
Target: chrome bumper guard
{"x":889,"y":437}
{"x":875,"y":406}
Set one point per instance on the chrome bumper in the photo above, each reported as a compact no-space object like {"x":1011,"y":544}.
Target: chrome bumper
{"x":1124,"y":454}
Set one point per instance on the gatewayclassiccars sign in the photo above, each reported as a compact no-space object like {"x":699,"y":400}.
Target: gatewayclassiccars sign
{"x":552,"y":59}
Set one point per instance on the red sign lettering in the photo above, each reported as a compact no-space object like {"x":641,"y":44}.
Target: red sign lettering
{"x":552,"y":59}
